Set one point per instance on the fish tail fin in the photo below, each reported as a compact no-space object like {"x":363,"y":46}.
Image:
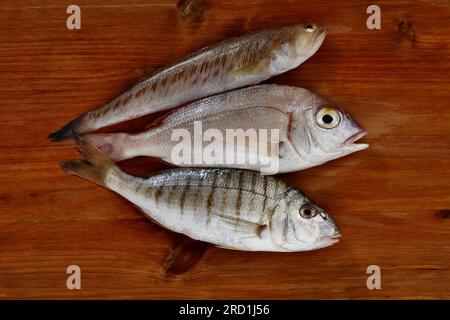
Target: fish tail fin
{"x":114,"y":145}
{"x":94,"y":166}
{"x":69,"y":130}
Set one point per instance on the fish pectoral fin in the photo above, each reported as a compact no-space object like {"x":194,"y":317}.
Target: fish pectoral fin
{"x":245,"y":226}
{"x":257,"y":68}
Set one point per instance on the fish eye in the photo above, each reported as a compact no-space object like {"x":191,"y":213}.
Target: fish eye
{"x":307,"y":211}
{"x":328,"y":118}
{"x":309,"y":27}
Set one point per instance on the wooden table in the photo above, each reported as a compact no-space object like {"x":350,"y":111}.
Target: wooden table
{"x":391,"y":201}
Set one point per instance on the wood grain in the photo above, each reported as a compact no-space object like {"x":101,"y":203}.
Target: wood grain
{"x":391,"y":201}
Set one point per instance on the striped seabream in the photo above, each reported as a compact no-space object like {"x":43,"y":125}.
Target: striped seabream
{"x":235,"y":209}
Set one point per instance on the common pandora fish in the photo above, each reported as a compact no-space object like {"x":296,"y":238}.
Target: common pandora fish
{"x":230,"y":208}
{"x":230,"y":64}
{"x":311,"y":130}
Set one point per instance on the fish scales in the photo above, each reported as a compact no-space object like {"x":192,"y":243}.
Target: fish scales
{"x":220,"y":206}
{"x":230,"y":64}
{"x":198,"y":188}
{"x":303,"y":138}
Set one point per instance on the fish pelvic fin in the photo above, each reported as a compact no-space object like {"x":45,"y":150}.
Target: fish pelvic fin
{"x":94,"y":165}
{"x":67,"y":131}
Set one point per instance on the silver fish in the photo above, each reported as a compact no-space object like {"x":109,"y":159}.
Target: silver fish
{"x":229,"y":208}
{"x":312,"y":130}
{"x":230,"y":64}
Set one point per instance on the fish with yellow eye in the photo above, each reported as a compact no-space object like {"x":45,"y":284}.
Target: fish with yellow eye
{"x":312,"y":129}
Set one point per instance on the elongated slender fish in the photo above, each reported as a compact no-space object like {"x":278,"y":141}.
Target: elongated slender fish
{"x":230,"y":208}
{"x":230,"y":64}
{"x":311,"y":130}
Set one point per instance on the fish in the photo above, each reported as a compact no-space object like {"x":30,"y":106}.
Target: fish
{"x":311,"y":130}
{"x":229,"y":208}
{"x":227,"y":65}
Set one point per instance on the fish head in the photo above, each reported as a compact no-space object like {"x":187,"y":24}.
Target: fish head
{"x":307,"y":39}
{"x":327,"y":132}
{"x":294,"y":47}
{"x":306,"y":226}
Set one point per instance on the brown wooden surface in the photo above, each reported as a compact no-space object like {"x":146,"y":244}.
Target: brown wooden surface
{"x":388,"y":200}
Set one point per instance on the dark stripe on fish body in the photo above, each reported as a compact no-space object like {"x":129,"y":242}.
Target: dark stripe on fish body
{"x":232,"y":66}
{"x":253,"y":189}
{"x":285,"y":226}
{"x":172,"y":78}
{"x":183,"y":194}
{"x":163,"y":81}
{"x":127,"y":99}
{"x":237,"y":58}
{"x":210,"y":198}
{"x":227,"y":179}
{"x":265,"y":194}
{"x":158,"y":192}
{"x":195,"y":74}
{"x":187,"y":72}
{"x":257,"y":52}
{"x":207,"y":70}
{"x":222,"y":60}
{"x":238,"y":200}
{"x":281,"y":187}
{"x":184,"y":76}
{"x":202,"y":67}
{"x":153,"y":87}
{"x":149,"y":192}
{"x":223,"y":65}
{"x":158,"y":84}
{"x":275,"y":192}
{"x":170,"y":193}
{"x":138,"y":93}
{"x":248,"y":55}
{"x":138,"y":187}
{"x":215,"y":63}
{"x":196,"y":195}
{"x":116,"y":105}
{"x":195,"y":79}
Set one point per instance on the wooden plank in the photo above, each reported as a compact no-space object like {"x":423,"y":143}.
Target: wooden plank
{"x":389,"y":200}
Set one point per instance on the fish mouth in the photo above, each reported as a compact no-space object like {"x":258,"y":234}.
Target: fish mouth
{"x":350,"y":142}
{"x":320,"y":36}
{"x":328,"y":240}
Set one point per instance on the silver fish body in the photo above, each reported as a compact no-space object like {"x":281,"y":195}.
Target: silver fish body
{"x":235,"y":209}
{"x":302,"y":140}
{"x":230,"y":64}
